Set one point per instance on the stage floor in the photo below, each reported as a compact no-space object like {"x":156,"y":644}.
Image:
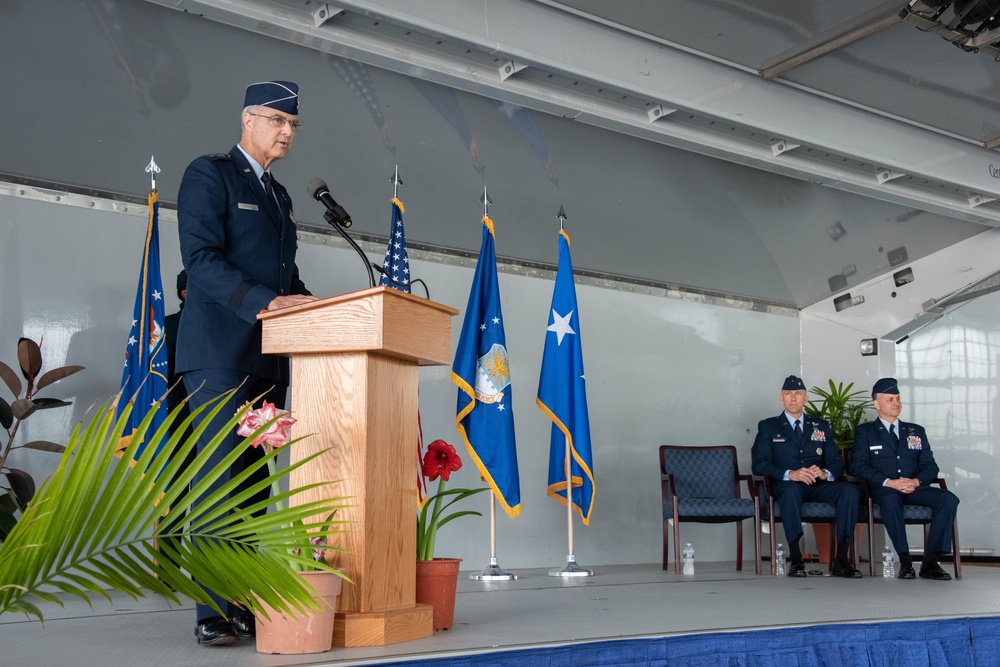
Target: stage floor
{"x":619,"y":602}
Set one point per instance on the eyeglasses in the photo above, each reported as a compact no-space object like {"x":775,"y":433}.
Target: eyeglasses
{"x":279,"y":121}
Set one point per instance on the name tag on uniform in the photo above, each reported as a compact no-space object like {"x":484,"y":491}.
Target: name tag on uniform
{"x":875,"y":448}
{"x":248,"y":207}
{"x":777,"y":439}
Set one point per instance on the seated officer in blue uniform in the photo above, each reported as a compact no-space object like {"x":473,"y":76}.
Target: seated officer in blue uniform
{"x":238,"y":241}
{"x":896,"y":458}
{"x":801,"y":457}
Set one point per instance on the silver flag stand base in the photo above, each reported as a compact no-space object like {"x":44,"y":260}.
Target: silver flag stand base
{"x":571,"y":569}
{"x":493,"y":573}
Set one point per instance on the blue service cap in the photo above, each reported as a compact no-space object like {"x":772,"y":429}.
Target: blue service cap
{"x":280,"y":95}
{"x":885,"y":386}
{"x":792,"y":383}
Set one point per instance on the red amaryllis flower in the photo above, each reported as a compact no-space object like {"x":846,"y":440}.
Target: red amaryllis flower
{"x":440,"y":460}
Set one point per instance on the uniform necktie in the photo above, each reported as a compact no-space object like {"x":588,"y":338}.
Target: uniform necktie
{"x":892,"y":432}
{"x":269,"y":189}
{"x":798,"y":429}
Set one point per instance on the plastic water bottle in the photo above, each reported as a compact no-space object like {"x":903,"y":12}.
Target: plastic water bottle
{"x":687,"y":559}
{"x":888,"y":567}
{"x":779,"y":561}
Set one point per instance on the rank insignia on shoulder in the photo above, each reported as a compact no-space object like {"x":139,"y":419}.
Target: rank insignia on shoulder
{"x":219,"y":156}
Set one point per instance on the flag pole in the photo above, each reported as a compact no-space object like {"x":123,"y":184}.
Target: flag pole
{"x":571,"y":568}
{"x":493,"y":571}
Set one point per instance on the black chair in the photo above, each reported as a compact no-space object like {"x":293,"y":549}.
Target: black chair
{"x":812,"y":512}
{"x":702,"y":484}
{"x":912,"y":515}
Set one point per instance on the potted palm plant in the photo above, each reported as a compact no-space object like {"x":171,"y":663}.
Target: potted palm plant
{"x":843,"y":408}
{"x":95,"y":523}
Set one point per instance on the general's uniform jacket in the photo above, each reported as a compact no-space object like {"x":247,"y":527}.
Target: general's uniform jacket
{"x":876,"y":457}
{"x":239,"y":253}
{"x":777,"y":449}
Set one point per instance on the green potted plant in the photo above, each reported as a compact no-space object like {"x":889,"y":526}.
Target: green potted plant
{"x":844,"y":409}
{"x":437,"y":578}
{"x":95,"y":523}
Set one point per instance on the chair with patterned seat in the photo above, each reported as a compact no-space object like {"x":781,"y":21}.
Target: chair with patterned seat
{"x":912,"y":515}
{"x":702,"y":485}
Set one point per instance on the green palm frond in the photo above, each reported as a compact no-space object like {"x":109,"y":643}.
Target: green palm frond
{"x":95,"y":524}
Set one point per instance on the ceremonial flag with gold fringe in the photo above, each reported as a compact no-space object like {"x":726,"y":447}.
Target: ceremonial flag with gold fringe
{"x":562,"y":394}
{"x":396,"y":265}
{"x":144,"y":378}
{"x":396,"y":274}
{"x":482,"y":372}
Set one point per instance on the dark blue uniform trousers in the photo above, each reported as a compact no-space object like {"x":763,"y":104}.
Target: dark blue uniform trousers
{"x":204,"y":385}
{"x":844,"y":497}
{"x":943,"y":504}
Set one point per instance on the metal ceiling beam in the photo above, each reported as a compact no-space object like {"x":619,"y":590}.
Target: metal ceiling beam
{"x":829,"y":46}
{"x":521,"y":31}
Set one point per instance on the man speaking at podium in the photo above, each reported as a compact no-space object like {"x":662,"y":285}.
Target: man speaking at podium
{"x":237,"y":238}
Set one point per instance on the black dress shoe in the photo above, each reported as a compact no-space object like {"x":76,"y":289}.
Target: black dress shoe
{"x":797,"y":569}
{"x":843,"y":568}
{"x":906,"y":571}
{"x":932,"y":570}
{"x":216,"y":632}
{"x":245,"y":626}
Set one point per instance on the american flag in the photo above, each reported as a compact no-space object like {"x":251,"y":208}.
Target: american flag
{"x":396,"y":264}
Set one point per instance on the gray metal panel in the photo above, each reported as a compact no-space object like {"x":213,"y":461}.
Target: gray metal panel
{"x":147,"y":80}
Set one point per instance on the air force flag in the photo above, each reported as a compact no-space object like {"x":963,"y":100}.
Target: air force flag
{"x":562,"y":394}
{"x":144,"y":378}
{"x":482,"y":373}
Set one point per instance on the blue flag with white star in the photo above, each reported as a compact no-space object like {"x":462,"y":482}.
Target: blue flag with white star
{"x":562,"y":395}
{"x":396,"y":264}
{"x":482,"y":372}
{"x":144,"y":379}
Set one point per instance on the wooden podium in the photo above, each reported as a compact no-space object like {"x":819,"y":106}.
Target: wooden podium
{"x":354,"y":379}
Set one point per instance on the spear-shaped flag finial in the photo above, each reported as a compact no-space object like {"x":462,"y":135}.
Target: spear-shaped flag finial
{"x":152,"y":170}
{"x":486,"y":202}
{"x":562,"y":217}
{"x":396,"y":181}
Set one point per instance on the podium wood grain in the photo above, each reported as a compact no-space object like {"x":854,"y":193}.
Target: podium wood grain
{"x":354,"y":383}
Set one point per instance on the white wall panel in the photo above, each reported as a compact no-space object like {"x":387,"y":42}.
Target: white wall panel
{"x":659,"y":371}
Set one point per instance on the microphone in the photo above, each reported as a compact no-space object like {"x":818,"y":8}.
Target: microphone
{"x":318,"y":189}
{"x":338,"y":219}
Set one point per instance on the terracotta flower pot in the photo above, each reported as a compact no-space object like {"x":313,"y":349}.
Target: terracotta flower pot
{"x":437,"y":581}
{"x":306,"y":633}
